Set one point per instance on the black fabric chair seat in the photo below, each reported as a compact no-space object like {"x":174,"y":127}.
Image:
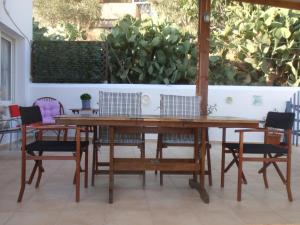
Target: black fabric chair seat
{"x":55,"y":146}
{"x":258,"y":148}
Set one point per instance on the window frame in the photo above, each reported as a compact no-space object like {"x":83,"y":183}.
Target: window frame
{"x":12,"y":67}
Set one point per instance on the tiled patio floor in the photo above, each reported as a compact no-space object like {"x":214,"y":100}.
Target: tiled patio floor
{"x":174,"y":203}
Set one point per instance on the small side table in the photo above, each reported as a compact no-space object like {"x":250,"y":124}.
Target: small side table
{"x":84,"y":111}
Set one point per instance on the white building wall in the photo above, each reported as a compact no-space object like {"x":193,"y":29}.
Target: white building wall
{"x":21,"y":13}
{"x":247,"y":102}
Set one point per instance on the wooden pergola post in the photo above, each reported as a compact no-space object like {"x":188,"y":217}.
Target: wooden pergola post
{"x":203,"y":53}
{"x":203,"y":41}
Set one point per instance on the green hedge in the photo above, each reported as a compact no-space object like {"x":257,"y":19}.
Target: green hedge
{"x":69,"y":62}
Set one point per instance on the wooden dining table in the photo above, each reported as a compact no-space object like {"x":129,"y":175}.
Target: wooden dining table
{"x":159,"y":124}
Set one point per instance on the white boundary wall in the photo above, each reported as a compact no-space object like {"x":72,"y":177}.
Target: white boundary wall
{"x":240,"y":101}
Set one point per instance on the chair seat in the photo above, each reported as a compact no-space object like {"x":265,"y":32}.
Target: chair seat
{"x":252,"y":148}
{"x":55,"y":146}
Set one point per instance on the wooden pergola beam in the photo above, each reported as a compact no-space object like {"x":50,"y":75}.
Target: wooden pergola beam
{"x":290,"y":4}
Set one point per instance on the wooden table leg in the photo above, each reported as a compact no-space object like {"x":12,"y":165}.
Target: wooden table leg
{"x":111,"y":163}
{"x":192,"y":182}
{"x":77,"y":164}
{"x":95,"y":152}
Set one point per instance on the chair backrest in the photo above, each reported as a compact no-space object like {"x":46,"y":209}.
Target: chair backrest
{"x":14,"y":111}
{"x":280,"y":120}
{"x":49,"y":107}
{"x":30,"y":115}
{"x":175,"y":105}
{"x":118,"y":103}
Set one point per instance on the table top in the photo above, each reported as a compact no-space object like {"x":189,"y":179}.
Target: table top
{"x":158,"y":121}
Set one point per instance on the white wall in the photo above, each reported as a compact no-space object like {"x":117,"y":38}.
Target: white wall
{"x":21,"y":13}
{"x":241,"y":106}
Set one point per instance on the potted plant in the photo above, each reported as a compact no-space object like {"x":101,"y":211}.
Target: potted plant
{"x":86,"y":100}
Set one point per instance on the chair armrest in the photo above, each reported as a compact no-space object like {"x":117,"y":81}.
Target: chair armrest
{"x":251,"y":130}
{"x":48,"y":127}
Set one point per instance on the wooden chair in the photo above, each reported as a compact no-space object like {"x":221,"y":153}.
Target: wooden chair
{"x":115,"y":103}
{"x":50,"y":107}
{"x":272,"y":151}
{"x":185,"y":106}
{"x":31,"y":118}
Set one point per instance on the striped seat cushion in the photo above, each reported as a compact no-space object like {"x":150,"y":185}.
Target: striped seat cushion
{"x":118,"y":103}
{"x":120,"y":139}
{"x":179,"y":106}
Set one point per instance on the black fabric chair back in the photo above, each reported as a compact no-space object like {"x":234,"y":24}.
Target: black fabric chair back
{"x":30,"y":114}
{"x":280,"y":120}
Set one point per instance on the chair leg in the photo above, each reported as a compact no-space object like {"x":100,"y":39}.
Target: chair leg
{"x":161,"y":175}
{"x":33,"y":172}
{"x":229,"y":165}
{"x":223,"y":166}
{"x":74,"y":178}
{"x":288,"y":178}
{"x":158,"y":147}
{"x":209,"y":166}
{"x":58,"y":134}
{"x":40,"y":171}
{"x":94,"y":163}
{"x":37,"y":165}
{"x":10,"y":140}
{"x":239,"y":183}
{"x":77,"y":191}
{"x":18,"y":137}
{"x":65,"y":134}
{"x":23,"y":176}
{"x":236,"y":159}
{"x":143,"y":157}
{"x":37,"y":184}
{"x":86,"y":164}
{"x":279,"y":173}
{"x":276,"y":167}
{"x":265,"y":173}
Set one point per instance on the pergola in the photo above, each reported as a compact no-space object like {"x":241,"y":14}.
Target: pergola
{"x":203,"y":41}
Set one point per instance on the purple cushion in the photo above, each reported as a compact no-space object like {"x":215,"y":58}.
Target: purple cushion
{"x":49,"y":109}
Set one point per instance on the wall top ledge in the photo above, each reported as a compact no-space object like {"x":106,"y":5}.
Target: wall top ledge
{"x":156,"y":86}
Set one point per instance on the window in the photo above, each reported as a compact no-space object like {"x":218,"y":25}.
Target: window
{"x":6,"y":69}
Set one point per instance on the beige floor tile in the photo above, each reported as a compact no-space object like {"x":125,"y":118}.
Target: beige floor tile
{"x":258,"y":217}
{"x":91,"y":217}
{"x":33,"y":218}
{"x":4,"y":217}
{"x":128,"y":217}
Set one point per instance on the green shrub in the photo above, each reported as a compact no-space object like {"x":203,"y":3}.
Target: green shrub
{"x":143,"y":52}
{"x":85,"y":96}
